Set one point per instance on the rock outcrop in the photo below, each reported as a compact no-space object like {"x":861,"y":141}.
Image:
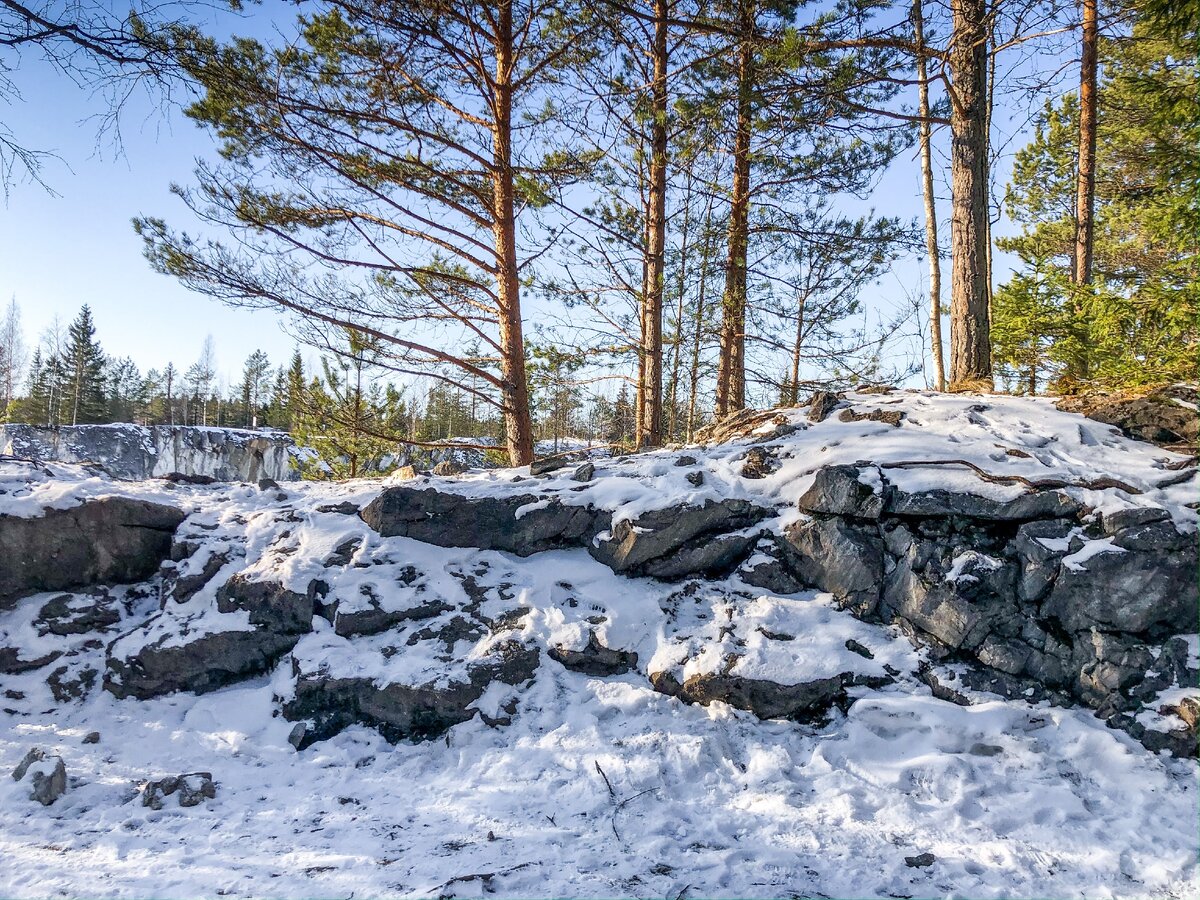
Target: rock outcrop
{"x":1025,"y":586}
{"x":136,"y":452}
{"x":112,"y":540}
{"x":1166,"y":416}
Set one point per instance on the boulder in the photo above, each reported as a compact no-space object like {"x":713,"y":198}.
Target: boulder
{"x":71,"y":614}
{"x":47,"y":775}
{"x":136,"y":452}
{"x":1164,"y":416}
{"x":113,"y":540}
{"x":836,"y":555}
{"x":270,"y":604}
{"x":839,"y":491}
{"x":806,"y":701}
{"x":594,"y":658}
{"x":490,"y":523}
{"x":193,"y":788}
{"x":681,"y":541}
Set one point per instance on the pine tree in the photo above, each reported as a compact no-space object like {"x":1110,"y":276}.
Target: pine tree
{"x":346,"y":416}
{"x":254,"y":388}
{"x":1139,"y":321}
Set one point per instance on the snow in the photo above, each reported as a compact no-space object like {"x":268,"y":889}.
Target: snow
{"x":970,"y":559}
{"x":599,"y":787}
{"x":1077,"y":560}
{"x":971,"y":428}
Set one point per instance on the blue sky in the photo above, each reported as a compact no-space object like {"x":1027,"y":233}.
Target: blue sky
{"x":58,"y":252}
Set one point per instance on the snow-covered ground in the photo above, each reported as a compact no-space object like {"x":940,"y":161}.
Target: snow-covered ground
{"x":600,"y":787}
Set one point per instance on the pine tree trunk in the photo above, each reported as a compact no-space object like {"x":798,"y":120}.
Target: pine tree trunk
{"x":793,"y":395}
{"x":931,"y":228}
{"x":650,"y":386}
{"x":970,"y":338}
{"x":1081,"y":269}
{"x":731,"y":371}
{"x":518,"y":428}
{"x":698,"y":326}
{"x":677,"y":342}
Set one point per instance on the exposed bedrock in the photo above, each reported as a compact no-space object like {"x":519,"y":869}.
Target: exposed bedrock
{"x":137,"y":452}
{"x":208,"y":652}
{"x":114,"y":540}
{"x":1025,"y":587}
{"x":493,"y":523}
{"x":1034,"y":588}
{"x":327,"y":704}
{"x":675,"y":543}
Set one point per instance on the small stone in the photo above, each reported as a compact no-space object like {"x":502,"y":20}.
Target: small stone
{"x":48,"y":775}
{"x":449,"y":467}
{"x":547,"y":465}
{"x":855,"y":647}
{"x":584,"y":472}
{"x":985,"y":750}
{"x":92,"y":737}
{"x":758,"y":463}
{"x":821,"y":404}
{"x":404,"y":473}
{"x":685,"y":461}
{"x":268,"y":484}
{"x":491,"y":836}
{"x":695,"y":478}
{"x":296,"y":735}
{"x":1189,"y":711}
{"x":920,"y":861}
{"x":195,"y":788}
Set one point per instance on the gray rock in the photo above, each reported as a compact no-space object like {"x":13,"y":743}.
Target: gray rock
{"x":695,"y":478}
{"x":491,"y":523}
{"x":270,"y":604}
{"x":681,"y":540}
{"x":685,"y":460}
{"x":941,"y":504}
{"x":137,"y":453}
{"x":548,"y":464}
{"x":804,"y":702}
{"x":193,"y":789}
{"x":920,"y":861}
{"x":595,"y":658}
{"x":1133,"y":591}
{"x":448,"y":467}
{"x":45,"y":786}
{"x":399,"y":711}
{"x":821,"y":404}
{"x":71,"y":614}
{"x":758,"y":463}
{"x":584,"y":473}
{"x":199,"y":664}
{"x":92,"y":737}
{"x":837,"y":491}
{"x":834,"y":555}
{"x":114,"y":540}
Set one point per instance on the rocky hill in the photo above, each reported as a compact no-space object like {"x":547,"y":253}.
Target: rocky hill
{"x":890,"y":644}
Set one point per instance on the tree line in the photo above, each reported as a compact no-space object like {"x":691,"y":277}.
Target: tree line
{"x":344,"y":409}
{"x":534,"y":195}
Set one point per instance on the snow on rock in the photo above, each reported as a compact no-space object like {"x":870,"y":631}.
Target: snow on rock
{"x":636,"y":685}
{"x":139,"y":452}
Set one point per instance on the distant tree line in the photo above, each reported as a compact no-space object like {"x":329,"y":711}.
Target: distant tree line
{"x":348,"y":408}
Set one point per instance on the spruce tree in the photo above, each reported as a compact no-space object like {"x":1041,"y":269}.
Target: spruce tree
{"x":82,"y":382}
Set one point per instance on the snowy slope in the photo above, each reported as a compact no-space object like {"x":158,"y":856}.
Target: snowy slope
{"x":597,"y":786}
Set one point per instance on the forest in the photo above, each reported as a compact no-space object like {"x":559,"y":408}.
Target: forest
{"x":626,"y":220}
